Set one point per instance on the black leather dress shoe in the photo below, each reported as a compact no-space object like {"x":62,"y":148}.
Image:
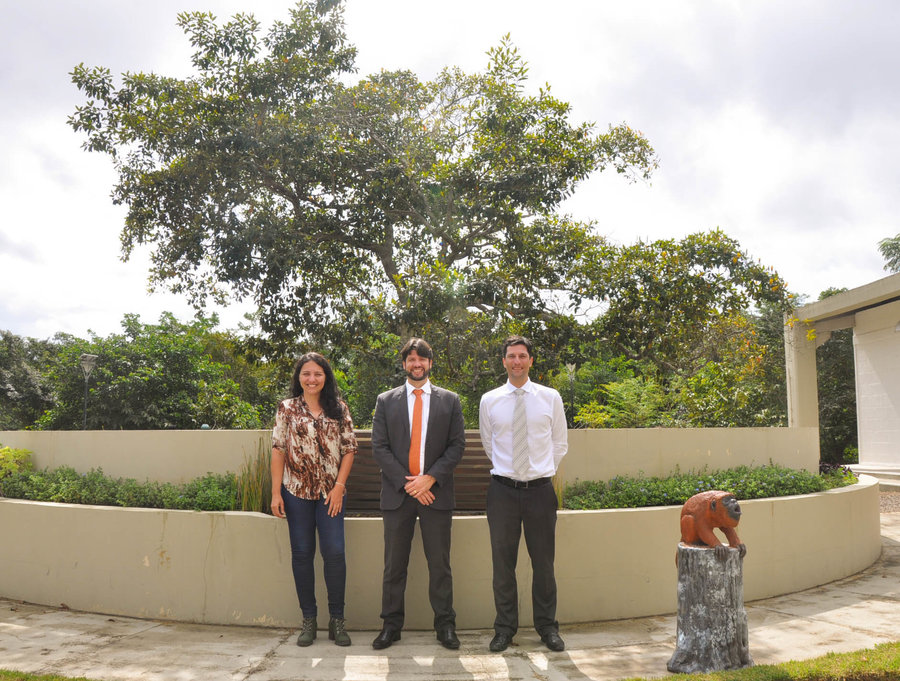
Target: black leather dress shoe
{"x":553,"y":641}
{"x":386,"y":638}
{"x":447,"y":637}
{"x":500,"y":642}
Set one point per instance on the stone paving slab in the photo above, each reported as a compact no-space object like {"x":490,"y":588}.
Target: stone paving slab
{"x":850,"y":614}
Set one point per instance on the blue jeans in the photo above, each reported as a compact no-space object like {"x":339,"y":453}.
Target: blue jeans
{"x":304,"y":516}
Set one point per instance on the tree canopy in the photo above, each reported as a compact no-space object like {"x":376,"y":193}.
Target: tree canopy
{"x":153,"y":376}
{"x":890,"y":251}
{"x":24,"y":391}
{"x":355,"y":212}
{"x":270,"y":175}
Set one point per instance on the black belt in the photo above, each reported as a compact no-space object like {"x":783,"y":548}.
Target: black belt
{"x":521,"y":484}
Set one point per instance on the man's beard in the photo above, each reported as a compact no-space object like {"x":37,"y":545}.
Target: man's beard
{"x":425,"y":374}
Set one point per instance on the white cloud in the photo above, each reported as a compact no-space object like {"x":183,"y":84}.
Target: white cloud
{"x":775,"y":121}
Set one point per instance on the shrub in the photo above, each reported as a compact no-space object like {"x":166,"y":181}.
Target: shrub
{"x":250,"y":491}
{"x":134,"y":494}
{"x":745,"y":482}
{"x":14,"y":461}
{"x":212,"y":492}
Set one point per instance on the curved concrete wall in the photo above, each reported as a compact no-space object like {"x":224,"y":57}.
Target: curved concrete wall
{"x":234,"y":568}
{"x":181,"y":455}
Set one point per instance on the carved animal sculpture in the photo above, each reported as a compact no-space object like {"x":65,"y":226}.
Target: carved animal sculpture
{"x":709,"y":510}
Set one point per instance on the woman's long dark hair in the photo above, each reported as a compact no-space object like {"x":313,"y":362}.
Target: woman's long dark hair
{"x":330,"y":395}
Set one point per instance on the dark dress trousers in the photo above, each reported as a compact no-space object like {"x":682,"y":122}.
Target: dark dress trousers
{"x":444,"y":444}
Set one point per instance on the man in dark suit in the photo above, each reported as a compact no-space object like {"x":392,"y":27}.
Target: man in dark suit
{"x":418,"y":437}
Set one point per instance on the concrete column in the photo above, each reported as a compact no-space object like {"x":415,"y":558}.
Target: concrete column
{"x":802,"y":385}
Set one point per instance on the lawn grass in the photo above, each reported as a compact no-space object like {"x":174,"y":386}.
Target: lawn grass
{"x":881,"y":663}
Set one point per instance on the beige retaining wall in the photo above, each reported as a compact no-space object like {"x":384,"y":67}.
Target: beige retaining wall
{"x":234,"y":568}
{"x":181,"y":455}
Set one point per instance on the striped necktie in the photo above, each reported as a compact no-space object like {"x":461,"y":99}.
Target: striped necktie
{"x":521,"y":461}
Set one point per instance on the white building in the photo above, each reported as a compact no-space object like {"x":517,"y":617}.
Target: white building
{"x":873,"y":312}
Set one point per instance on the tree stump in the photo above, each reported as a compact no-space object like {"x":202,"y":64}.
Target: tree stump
{"x":711,"y":632}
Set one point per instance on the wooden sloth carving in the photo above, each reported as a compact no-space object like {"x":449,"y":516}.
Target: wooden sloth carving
{"x":709,"y":510}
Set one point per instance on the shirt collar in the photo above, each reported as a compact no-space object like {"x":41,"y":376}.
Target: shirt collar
{"x":425,"y":388}
{"x":511,"y":388}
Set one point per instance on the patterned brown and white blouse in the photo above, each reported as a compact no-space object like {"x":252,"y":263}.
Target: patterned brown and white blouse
{"x":313,"y":447}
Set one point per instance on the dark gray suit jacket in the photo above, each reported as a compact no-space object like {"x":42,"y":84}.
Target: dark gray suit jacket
{"x":445,"y":440}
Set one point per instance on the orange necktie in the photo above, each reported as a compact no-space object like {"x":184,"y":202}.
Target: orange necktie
{"x":415,"y":437}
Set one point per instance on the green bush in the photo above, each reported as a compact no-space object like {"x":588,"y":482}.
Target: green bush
{"x":134,"y":494}
{"x":225,"y":492}
{"x":212,"y":492}
{"x":745,"y":482}
{"x":14,"y":461}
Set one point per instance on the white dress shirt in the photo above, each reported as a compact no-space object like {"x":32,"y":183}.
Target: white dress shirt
{"x":547,"y":431}
{"x":426,"y":405}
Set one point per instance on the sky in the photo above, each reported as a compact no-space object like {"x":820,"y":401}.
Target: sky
{"x":777,"y":122}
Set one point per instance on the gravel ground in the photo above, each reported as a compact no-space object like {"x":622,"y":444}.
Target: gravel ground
{"x":890,"y":502}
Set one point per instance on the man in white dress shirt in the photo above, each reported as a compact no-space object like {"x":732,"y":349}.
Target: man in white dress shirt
{"x":523,"y":430}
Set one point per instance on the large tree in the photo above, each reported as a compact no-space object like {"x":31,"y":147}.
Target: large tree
{"x":269,"y":174}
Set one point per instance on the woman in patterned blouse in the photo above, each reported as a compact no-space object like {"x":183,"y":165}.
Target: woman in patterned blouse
{"x":313,"y":446}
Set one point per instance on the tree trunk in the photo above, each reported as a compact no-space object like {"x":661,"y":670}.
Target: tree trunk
{"x":711,"y":632}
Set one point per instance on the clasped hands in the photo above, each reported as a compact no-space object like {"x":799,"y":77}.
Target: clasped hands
{"x":419,"y":488}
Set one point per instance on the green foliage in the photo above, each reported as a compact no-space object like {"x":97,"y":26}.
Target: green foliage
{"x":212,"y":492}
{"x":735,"y":378}
{"x":667,"y":298}
{"x":837,"y":396}
{"x":635,"y":402}
{"x":582,"y":383}
{"x":358,"y":213}
{"x":738,"y":386}
{"x":851,"y":455}
{"x":890,"y":251}
{"x":151,"y":376}
{"x":767,"y":324}
{"x":148,"y":494}
{"x":219,"y":405}
{"x":24,"y":391}
{"x":8,"y":675}
{"x":14,"y":461}
{"x":269,"y":174}
{"x":369,"y":369}
{"x":254,"y":482}
{"x":261,"y":377}
{"x":881,"y":663}
{"x":715,"y":363}
{"x":836,"y":378}
{"x":744,"y":482}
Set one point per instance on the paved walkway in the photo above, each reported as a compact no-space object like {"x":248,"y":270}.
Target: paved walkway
{"x":850,"y":614}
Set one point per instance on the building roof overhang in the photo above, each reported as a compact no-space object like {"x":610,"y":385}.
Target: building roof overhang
{"x":837,"y":311}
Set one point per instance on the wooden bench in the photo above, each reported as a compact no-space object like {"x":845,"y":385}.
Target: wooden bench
{"x":470,"y":479}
